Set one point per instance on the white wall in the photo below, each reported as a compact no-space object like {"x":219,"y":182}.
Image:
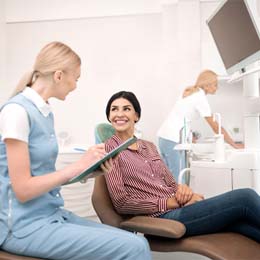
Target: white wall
{"x":154,"y":48}
{"x":3,"y":92}
{"x":38,"y":10}
{"x":118,"y":53}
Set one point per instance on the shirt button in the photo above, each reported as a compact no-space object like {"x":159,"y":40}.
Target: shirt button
{"x":57,"y":195}
{"x":152,"y":175}
{"x":145,"y":161}
{"x":161,"y":185}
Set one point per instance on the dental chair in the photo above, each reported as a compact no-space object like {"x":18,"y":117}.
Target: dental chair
{"x":103,"y":131}
{"x":8,"y":256}
{"x":166,"y":235}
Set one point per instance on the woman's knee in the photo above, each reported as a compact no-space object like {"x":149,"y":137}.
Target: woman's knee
{"x":142,"y":244}
{"x":137,"y":247}
{"x":246,"y":195}
{"x":252,"y":194}
{"x":248,"y":192}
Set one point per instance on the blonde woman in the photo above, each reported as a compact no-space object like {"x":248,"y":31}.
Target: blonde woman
{"x":32,"y":219}
{"x":193,"y":104}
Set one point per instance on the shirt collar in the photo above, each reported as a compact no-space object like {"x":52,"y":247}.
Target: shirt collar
{"x":37,"y":100}
{"x":141,"y":144}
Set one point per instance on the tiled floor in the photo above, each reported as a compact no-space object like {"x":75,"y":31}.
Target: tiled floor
{"x":178,"y":256}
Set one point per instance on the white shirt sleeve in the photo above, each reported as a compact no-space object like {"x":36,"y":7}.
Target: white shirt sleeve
{"x":203,"y":106}
{"x":14,"y":123}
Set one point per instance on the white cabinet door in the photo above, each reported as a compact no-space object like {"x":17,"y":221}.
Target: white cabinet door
{"x":242,"y":178}
{"x":256,"y":182}
{"x":246,"y":178}
{"x":210,"y":181}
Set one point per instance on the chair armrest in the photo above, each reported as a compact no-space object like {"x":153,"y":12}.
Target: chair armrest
{"x":9,"y":256}
{"x":154,"y":226}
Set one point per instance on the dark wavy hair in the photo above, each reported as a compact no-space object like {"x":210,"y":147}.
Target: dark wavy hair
{"x":126,"y":95}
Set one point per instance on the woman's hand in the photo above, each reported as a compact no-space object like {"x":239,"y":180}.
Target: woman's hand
{"x":239,"y":146}
{"x":172,"y":203}
{"x":93,"y":154}
{"x":107,"y":165}
{"x":104,"y":167}
{"x":195,"y":198}
{"x":183,"y":194}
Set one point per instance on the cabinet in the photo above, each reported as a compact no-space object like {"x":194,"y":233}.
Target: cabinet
{"x":211,"y":179}
{"x":77,"y":196}
{"x":246,"y":178}
{"x":242,"y":178}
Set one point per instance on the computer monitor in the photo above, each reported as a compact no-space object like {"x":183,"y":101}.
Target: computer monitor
{"x":236,"y":35}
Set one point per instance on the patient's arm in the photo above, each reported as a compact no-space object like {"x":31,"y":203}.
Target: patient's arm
{"x":183,"y":194}
{"x":172,"y":203}
{"x":195,"y":198}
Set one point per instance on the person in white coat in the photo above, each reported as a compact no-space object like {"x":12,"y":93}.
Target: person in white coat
{"x":191,"y":105}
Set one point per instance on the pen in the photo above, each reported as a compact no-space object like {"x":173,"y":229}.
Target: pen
{"x":79,"y":149}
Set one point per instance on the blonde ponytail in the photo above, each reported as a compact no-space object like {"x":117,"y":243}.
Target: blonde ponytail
{"x":26,"y":80}
{"x":205,"y":79}
{"x":190,"y":90}
{"x":52,"y":57}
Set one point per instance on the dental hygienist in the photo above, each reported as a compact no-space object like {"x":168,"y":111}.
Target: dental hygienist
{"x":192,"y":105}
{"x":32,"y":219}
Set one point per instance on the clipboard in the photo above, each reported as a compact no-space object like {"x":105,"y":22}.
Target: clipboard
{"x":95,"y":166}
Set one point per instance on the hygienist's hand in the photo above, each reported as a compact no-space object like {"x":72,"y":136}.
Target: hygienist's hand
{"x":91,"y":156}
{"x":239,"y":146}
{"x":183,"y":194}
{"x":104,"y":167}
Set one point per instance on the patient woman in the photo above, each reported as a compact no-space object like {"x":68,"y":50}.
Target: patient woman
{"x":140,"y":184}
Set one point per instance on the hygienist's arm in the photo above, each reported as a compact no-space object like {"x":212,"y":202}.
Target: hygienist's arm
{"x":214,"y":125}
{"x":26,"y":186}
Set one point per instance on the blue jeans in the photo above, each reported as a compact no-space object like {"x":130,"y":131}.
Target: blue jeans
{"x":237,"y":211}
{"x":172,"y":158}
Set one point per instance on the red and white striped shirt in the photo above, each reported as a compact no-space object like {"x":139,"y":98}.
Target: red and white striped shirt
{"x":139,"y":182}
